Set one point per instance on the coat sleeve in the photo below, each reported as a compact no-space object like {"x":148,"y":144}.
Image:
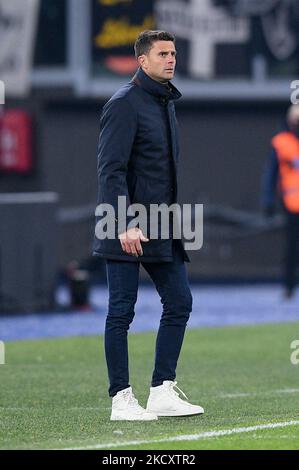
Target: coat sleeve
{"x":117,"y":134}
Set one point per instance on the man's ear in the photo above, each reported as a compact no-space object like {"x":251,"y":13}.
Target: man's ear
{"x":142,"y":60}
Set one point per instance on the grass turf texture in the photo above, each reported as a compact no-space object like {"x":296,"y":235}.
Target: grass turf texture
{"x":53,"y":393}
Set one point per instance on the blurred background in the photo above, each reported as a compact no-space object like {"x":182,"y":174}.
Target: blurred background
{"x":60,"y":60}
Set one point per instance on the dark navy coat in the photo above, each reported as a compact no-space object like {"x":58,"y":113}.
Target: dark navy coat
{"x":138,"y":158}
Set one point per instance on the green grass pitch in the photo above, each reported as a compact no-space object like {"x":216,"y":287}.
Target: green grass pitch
{"x":53,"y":393}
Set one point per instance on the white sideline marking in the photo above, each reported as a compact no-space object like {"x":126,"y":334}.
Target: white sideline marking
{"x":236,"y":395}
{"x":253,"y":394}
{"x":190,"y":437}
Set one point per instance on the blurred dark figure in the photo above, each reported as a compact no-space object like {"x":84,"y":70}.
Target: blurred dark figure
{"x":78,"y":280}
{"x":80,"y":276}
{"x":282,"y":173}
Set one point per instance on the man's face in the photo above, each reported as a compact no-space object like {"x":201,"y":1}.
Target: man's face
{"x":159,"y":62}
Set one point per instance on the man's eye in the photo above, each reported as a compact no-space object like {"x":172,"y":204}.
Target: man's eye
{"x":164,"y":54}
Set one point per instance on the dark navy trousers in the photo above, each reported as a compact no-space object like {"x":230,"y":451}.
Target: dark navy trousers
{"x":292,"y":250}
{"x":171,"y":282}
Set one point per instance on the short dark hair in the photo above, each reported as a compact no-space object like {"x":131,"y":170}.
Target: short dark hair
{"x":146,"y":39}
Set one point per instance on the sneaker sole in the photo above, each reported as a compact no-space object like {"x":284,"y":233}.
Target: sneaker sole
{"x":173,"y":413}
{"x":133,"y":419}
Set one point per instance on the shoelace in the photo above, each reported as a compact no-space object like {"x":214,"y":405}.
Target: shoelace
{"x":130,"y":399}
{"x":173,"y":385}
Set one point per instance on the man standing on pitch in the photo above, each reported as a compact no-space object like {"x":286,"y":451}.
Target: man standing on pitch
{"x":138,"y":159}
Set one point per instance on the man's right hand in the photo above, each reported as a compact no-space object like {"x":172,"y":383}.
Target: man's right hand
{"x":131,"y":241}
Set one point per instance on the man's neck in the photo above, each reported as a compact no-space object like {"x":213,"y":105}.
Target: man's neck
{"x":162,"y":81}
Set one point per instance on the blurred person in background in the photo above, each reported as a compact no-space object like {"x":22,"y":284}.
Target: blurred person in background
{"x":282,"y":173}
{"x":137,"y":158}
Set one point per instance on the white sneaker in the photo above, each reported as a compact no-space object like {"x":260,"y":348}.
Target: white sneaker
{"x":165,"y":401}
{"x":125,"y":407}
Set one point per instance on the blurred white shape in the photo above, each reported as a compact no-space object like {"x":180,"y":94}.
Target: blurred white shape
{"x":2,"y":353}
{"x":18,"y":20}
{"x":205,"y":26}
{"x":2,"y":92}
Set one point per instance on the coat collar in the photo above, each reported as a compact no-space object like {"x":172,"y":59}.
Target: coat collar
{"x":170,"y":92}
